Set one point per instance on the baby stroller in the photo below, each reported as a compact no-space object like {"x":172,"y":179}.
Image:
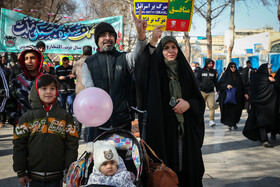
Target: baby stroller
{"x":128,"y":148}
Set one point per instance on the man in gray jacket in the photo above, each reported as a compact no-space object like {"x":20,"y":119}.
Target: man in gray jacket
{"x":77,"y":71}
{"x":112,"y":70}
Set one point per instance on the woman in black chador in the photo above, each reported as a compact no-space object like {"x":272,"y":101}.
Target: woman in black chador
{"x":263,"y":115}
{"x":231,"y":113}
{"x":174,"y":132}
{"x":277,"y":83}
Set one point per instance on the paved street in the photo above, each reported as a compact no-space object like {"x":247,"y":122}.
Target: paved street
{"x":230,"y":159}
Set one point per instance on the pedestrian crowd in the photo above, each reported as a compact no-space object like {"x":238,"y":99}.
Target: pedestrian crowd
{"x":35,"y":96}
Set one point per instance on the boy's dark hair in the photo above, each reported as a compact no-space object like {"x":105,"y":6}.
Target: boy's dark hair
{"x":65,"y":59}
{"x":87,"y":50}
{"x":41,"y":44}
{"x":33,"y":51}
{"x":47,"y":79}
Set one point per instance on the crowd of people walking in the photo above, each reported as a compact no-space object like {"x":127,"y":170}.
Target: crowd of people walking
{"x":34,"y":97}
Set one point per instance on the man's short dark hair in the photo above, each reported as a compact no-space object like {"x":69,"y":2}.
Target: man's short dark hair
{"x":41,"y":44}
{"x":248,"y":62}
{"x":87,"y":50}
{"x":65,"y":59}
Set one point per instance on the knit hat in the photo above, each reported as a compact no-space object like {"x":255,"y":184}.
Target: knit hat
{"x":103,"y":27}
{"x":104,"y":151}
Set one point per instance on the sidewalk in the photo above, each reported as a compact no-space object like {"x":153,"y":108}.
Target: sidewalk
{"x":230,"y":159}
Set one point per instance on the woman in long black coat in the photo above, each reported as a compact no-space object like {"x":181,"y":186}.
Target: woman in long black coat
{"x":263,"y":115}
{"x":175,"y":133}
{"x":277,"y":83}
{"x":231,"y":113}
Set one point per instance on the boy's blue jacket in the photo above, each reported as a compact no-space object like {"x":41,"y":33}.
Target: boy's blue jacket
{"x":45,"y":143}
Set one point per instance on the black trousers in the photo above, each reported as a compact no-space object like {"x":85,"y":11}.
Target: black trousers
{"x":2,"y":117}
{"x":56,"y":183}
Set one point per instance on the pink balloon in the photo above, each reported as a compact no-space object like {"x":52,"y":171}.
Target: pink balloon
{"x":93,"y":107}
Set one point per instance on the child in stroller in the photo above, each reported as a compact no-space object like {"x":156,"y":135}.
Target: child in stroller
{"x":127,"y":147}
{"x":109,"y":168}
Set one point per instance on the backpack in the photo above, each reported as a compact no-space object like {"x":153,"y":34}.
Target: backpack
{"x":78,"y":171}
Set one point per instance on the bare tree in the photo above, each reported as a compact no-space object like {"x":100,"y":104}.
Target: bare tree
{"x":187,"y":46}
{"x":209,"y":13}
{"x":106,"y":8}
{"x":231,"y":31}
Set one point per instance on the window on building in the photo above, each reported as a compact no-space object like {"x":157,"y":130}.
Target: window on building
{"x":275,"y":48}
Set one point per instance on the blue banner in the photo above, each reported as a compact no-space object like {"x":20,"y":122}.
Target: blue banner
{"x":18,"y":30}
{"x":254,"y":61}
{"x":151,"y":8}
{"x":275,"y":62}
{"x":236,"y":61}
{"x":219,"y":67}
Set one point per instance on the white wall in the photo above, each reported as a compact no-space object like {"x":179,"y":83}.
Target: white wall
{"x":241,"y":44}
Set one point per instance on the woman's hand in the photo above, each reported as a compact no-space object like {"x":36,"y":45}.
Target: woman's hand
{"x":156,"y":35}
{"x":271,"y":79}
{"x":229,"y":86}
{"x":246,"y":97}
{"x":182,"y":106}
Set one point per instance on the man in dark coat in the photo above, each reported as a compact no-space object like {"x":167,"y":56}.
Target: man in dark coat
{"x":111,"y":70}
{"x":4,"y":95}
{"x":246,"y":74}
{"x":207,"y":78}
{"x":162,"y":131}
{"x":67,"y":84}
{"x":262,"y":117}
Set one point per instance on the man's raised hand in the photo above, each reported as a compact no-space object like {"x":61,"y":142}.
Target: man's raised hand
{"x":140,"y":24}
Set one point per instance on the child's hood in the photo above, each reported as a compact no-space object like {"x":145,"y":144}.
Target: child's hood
{"x":22,"y":61}
{"x":34,"y":98}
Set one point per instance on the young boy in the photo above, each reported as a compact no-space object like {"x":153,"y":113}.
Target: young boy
{"x":31,"y":61}
{"x":45,"y":138}
{"x":109,"y":168}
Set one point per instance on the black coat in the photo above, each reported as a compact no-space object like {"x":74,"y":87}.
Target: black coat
{"x":277,"y":83}
{"x":231,"y":113}
{"x":162,"y":125}
{"x":264,"y":105}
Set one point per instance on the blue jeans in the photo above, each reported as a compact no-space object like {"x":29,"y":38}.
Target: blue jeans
{"x":70,"y":100}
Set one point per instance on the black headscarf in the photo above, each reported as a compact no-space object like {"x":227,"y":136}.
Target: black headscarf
{"x":162,"y":126}
{"x":232,"y":78}
{"x":261,"y":88}
{"x":264,"y":104}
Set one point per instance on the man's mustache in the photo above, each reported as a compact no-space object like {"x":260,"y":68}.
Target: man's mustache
{"x":108,"y":42}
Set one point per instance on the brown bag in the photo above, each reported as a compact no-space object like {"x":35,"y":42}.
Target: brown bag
{"x":157,"y":173}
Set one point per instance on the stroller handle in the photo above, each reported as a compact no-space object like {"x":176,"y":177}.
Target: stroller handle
{"x":144,"y":124}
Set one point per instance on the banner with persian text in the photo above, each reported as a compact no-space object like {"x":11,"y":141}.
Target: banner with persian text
{"x":19,"y":30}
{"x":174,"y":15}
